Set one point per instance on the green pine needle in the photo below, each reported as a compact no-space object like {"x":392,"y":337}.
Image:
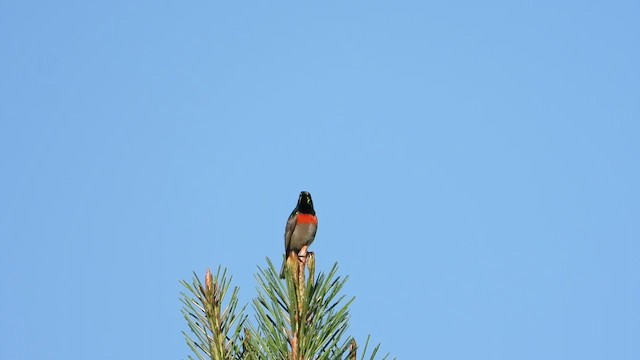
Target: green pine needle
{"x":313,"y":318}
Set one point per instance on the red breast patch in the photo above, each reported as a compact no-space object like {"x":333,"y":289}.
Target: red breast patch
{"x":307,"y":219}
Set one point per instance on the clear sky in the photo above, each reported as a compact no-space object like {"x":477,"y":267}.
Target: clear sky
{"x":474,"y":166}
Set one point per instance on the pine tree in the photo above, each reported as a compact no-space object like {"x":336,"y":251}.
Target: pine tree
{"x":303,"y":317}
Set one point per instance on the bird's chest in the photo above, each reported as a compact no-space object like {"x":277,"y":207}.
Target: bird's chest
{"x":303,"y":234}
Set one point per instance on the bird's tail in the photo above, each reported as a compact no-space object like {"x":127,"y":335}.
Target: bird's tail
{"x":284,"y":266}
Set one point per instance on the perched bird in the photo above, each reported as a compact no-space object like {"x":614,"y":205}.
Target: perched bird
{"x":300,"y":230}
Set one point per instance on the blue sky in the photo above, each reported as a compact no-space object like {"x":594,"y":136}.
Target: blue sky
{"x":474,"y":168}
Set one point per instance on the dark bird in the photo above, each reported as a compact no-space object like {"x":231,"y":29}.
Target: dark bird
{"x":300,"y":230}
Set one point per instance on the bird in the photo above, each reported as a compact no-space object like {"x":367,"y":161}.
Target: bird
{"x":300,"y":230}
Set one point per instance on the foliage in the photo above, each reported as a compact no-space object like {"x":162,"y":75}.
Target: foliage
{"x":302,"y":317}
{"x":216,"y":329}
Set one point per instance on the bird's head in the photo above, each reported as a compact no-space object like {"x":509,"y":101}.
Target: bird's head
{"x":305,"y":203}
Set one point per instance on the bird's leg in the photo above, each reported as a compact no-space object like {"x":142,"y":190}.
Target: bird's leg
{"x":302,"y":254}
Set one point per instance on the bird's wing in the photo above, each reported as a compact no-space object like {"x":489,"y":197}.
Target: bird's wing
{"x":288,"y":230}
